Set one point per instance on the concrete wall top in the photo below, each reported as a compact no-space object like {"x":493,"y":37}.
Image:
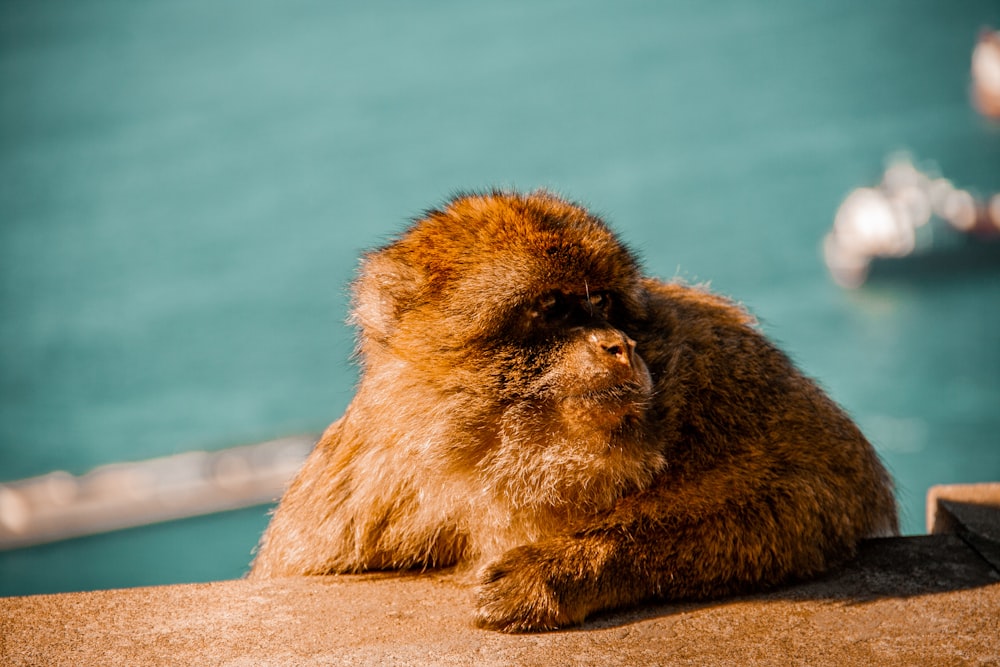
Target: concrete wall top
{"x":931,"y":599}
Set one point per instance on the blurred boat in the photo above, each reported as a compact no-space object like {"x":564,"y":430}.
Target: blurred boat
{"x":912,"y":221}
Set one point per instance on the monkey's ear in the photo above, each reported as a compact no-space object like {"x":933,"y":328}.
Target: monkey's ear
{"x":384,"y":289}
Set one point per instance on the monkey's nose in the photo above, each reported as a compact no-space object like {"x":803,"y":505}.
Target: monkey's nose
{"x":615,"y":343}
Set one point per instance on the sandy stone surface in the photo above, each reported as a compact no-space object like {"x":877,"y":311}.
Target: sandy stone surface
{"x":905,"y":601}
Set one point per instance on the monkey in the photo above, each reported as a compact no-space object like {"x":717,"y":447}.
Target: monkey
{"x":534,"y":410}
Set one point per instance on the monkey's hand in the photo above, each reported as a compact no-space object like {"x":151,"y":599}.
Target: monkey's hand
{"x":542,"y":586}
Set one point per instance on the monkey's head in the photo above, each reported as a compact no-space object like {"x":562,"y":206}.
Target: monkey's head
{"x":522,"y":302}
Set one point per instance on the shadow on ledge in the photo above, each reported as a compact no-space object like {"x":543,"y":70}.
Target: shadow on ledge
{"x":884,"y":569}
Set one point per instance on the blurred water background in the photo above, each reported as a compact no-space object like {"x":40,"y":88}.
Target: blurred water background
{"x":185,"y":187}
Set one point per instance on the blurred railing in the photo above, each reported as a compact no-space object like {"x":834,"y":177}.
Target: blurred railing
{"x":59,"y":505}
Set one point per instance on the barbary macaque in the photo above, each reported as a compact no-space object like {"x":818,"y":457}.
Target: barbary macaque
{"x":534,"y":409}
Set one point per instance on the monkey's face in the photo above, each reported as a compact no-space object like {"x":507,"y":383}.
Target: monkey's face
{"x":514,"y":298}
{"x":519,"y":308}
{"x":570,"y":351}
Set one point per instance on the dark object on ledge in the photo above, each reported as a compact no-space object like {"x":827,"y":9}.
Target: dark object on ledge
{"x":971,"y":511}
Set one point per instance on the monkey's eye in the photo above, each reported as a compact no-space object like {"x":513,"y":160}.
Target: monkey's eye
{"x":600,"y":301}
{"x":554,"y":307}
{"x":557,"y":309}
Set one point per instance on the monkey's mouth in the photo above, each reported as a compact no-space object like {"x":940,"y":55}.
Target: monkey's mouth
{"x":626,"y":398}
{"x":618,"y":393}
{"x":602,"y":411}
{"x":609,"y":390}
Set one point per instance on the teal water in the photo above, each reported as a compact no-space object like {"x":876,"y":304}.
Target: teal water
{"x":185,"y":187}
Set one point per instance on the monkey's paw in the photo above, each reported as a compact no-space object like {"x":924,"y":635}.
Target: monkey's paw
{"x":529,"y":589}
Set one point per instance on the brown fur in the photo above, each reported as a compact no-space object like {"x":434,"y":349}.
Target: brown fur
{"x":589,"y":438}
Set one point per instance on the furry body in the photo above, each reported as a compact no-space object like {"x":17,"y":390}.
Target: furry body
{"x":531,"y":405}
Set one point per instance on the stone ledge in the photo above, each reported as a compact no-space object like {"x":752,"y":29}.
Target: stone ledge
{"x":915,"y":600}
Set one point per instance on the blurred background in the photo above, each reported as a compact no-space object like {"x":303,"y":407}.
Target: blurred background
{"x":185,"y":187}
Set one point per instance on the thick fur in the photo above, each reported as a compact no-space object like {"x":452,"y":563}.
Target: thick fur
{"x":533,"y":407}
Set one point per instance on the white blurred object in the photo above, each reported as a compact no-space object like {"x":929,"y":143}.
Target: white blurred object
{"x":986,"y":74}
{"x":892,"y":220}
{"x":870,"y":223}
